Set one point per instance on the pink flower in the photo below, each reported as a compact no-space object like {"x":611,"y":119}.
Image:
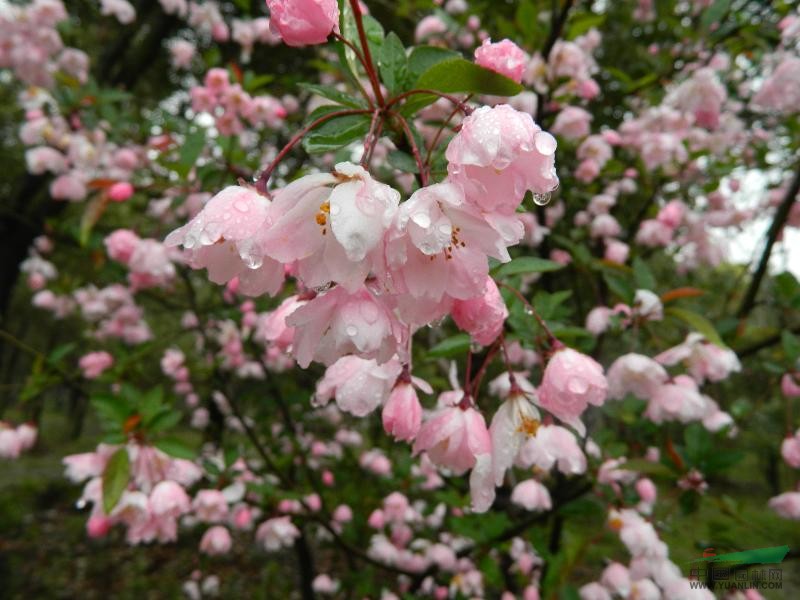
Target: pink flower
{"x":337,"y":323}
{"x":94,"y":363}
{"x":222,"y":238}
{"x":704,"y":359}
{"x":328,"y":232}
{"x":10,"y":444}
{"x":635,"y":374}
{"x":210,"y":506}
{"x":514,"y":423}
{"x":790,"y":386}
{"x":672,"y":214}
{"x":303,"y":22}
{"x":216,"y":541}
{"x":498,"y":155}
{"x":678,"y":401}
{"x":790,"y":450}
{"x":120,"y":245}
{"x":482,"y":317}
{"x":594,"y":591}
{"x":553,"y":445}
{"x":26,"y":436}
{"x":531,"y":495}
{"x":169,"y":499}
{"x":324,"y":584}
{"x":571,"y":381}
{"x":69,"y":186}
{"x":654,"y":233}
{"x":572,"y":123}
{"x":616,"y":251}
{"x":402,"y":414}
{"x":359,"y":385}
{"x":277,"y":533}
{"x":504,"y":57}
{"x":453,"y":437}
{"x":787,"y":505}
{"x":120,"y":191}
{"x":617,"y":579}
{"x":781,"y":91}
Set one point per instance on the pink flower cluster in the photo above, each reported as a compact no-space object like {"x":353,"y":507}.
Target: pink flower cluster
{"x":232,"y":106}
{"x":16,"y":440}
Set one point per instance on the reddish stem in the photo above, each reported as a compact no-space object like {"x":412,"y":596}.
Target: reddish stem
{"x":552,"y":338}
{"x":261,"y":184}
{"x":438,"y":135}
{"x":423,"y":176}
{"x":460,"y":104}
{"x":476,"y":381}
{"x":372,"y":138}
{"x":360,"y":58}
{"x":369,"y":65}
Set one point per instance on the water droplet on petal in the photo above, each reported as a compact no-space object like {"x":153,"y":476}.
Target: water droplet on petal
{"x":445,"y":229}
{"x":241,"y":205}
{"x":541,"y":199}
{"x":545,"y":143}
{"x":422,"y":219}
{"x":351,"y":330}
{"x":335,"y":209}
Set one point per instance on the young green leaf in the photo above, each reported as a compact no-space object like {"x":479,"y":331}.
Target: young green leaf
{"x":336,"y":133}
{"x":115,"y":478}
{"x":175,"y":447}
{"x":393,"y":64}
{"x":457,"y":75}
{"x":331,"y":93}
{"x":526,"y":264}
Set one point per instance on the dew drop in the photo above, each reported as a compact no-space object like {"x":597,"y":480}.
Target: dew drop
{"x":323,"y":288}
{"x":528,"y":310}
{"x":422,"y":219}
{"x":445,"y":229}
{"x":351,"y":330}
{"x":545,"y":143}
{"x":541,"y":199}
{"x":205,"y":238}
{"x":80,"y":504}
{"x":241,"y":205}
{"x":226,"y":216}
{"x":335,"y":209}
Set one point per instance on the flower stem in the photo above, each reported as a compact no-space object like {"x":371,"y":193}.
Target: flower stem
{"x":261,"y":184}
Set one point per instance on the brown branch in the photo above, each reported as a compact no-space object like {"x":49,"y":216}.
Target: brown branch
{"x":778,"y":221}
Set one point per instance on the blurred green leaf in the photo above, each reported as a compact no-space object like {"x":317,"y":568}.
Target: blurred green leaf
{"x":115,"y":478}
{"x":452,"y":346}
{"x":698,"y":322}
{"x":526,"y":264}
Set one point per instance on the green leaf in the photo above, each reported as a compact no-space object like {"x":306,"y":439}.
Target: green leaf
{"x":331,"y":93}
{"x":192,"y":146}
{"x":151,"y":403}
{"x":61,"y":351}
{"x":113,"y":409}
{"x":115,"y":478}
{"x":253,"y":82}
{"x":698,"y":322}
{"x":791,"y":346}
{"x":423,"y":58}
{"x":175,"y":447}
{"x":457,"y":75}
{"x":526,"y":264}
{"x":336,"y":133}
{"x":393,"y":64}
{"x":452,"y":346}
{"x":714,"y":13}
{"x":620,"y":285}
{"x":163,"y":421}
{"x":402,"y":161}
{"x":642,"y":275}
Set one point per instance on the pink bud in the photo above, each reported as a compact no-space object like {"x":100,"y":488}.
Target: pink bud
{"x":120,"y":191}
{"x":216,"y":541}
{"x":376,"y":519}
{"x":402,"y":414}
{"x":647,"y":490}
{"x":98,"y":526}
{"x":328,"y":479}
